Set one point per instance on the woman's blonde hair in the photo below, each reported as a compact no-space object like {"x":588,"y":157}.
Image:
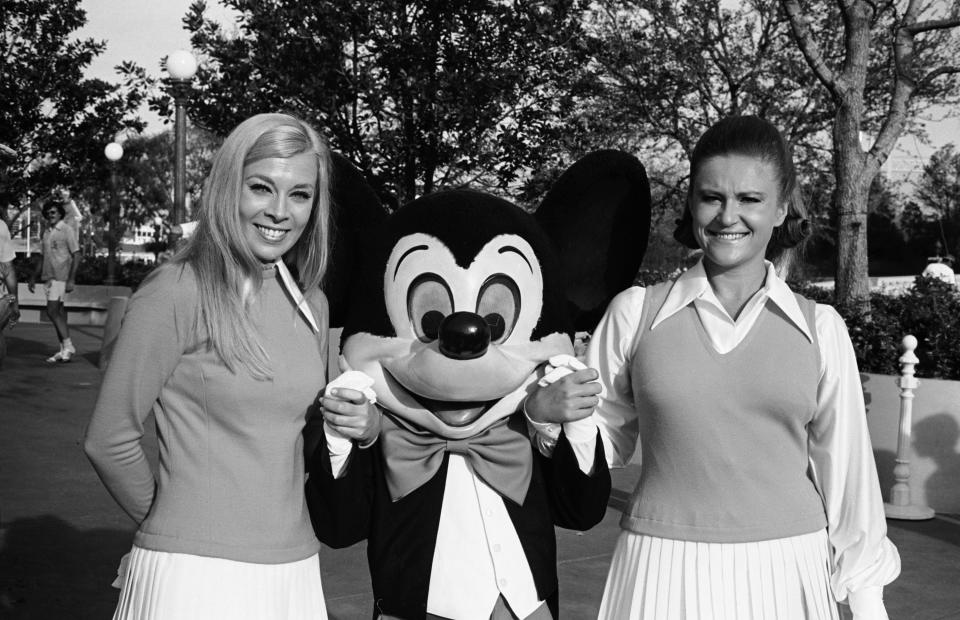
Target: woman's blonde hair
{"x":223,"y":262}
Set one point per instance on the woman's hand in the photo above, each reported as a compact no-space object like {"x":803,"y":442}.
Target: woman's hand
{"x":352,"y":415}
{"x":570,"y":398}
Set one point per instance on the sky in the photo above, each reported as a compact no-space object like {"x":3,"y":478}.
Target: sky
{"x":143,"y":31}
{"x":146,"y":30}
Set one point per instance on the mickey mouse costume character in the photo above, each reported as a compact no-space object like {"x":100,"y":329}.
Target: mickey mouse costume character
{"x":463,"y":304}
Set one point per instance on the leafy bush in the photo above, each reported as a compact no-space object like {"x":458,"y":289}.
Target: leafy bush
{"x":649,"y":277}
{"x":23,"y":266}
{"x":134,"y":272}
{"x":93,"y":270}
{"x":930,"y":310}
{"x":934,"y":318}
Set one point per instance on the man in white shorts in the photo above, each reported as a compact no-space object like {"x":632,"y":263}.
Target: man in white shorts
{"x":57,"y":270}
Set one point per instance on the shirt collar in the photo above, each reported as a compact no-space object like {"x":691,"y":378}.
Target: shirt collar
{"x":692,"y":285}
{"x":291,"y":285}
{"x":286,"y":281}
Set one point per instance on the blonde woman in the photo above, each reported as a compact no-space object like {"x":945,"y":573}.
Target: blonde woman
{"x":227,"y":350}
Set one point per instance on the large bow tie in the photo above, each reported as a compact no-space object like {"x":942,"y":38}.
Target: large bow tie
{"x":500,"y":456}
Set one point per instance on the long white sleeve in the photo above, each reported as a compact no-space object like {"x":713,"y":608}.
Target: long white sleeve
{"x":607,"y":352}
{"x":844,"y":470}
{"x":339,"y":446}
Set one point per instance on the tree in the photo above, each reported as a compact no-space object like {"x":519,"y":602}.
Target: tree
{"x":419,"y":96}
{"x":144,"y":179}
{"x":54,"y":120}
{"x":886,"y":240}
{"x":918,"y":232}
{"x":939,"y":192}
{"x":668,"y":70}
{"x":919,"y":54}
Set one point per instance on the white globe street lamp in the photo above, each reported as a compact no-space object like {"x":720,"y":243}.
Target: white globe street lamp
{"x":181,"y":66}
{"x":113,"y":153}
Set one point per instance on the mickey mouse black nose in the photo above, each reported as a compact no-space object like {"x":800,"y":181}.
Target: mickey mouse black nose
{"x":464,"y":336}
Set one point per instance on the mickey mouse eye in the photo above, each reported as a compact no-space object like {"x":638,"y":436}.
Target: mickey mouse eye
{"x":499,"y":305}
{"x":429,"y":301}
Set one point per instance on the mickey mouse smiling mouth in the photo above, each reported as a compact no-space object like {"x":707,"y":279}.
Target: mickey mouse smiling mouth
{"x":460,"y":336}
{"x":459,"y":386}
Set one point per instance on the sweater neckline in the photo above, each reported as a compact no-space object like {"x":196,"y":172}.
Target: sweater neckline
{"x":743,"y":344}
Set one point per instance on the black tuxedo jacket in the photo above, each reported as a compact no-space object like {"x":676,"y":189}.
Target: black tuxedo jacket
{"x":402,"y":535}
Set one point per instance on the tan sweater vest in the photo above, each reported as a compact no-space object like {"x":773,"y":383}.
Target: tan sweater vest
{"x":724,"y":436}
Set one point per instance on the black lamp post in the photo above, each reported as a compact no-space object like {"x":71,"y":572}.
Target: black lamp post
{"x":181,"y":65}
{"x":113,"y":152}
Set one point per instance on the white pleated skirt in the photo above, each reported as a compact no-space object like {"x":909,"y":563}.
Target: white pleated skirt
{"x":654,"y":578}
{"x":179,"y":586}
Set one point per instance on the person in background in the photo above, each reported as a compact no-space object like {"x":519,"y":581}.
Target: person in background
{"x":228,"y":351}
{"x":758,"y":495}
{"x":57,"y":269}
{"x":8,"y":287}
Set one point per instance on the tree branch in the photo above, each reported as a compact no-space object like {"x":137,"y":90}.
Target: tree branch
{"x":904,"y":86}
{"x":933,"y":24}
{"x":799,"y":24}
{"x":722,"y":60}
{"x":932,"y":75}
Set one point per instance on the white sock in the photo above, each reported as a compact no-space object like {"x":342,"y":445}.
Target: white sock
{"x":66,"y":345}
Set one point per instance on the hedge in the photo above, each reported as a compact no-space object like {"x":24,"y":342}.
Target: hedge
{"x":929,"y":310}
{"x":92,"y":270}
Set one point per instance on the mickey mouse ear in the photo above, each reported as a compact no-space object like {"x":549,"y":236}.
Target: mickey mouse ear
{"x":355,"y":212}
{"x":598,"y":215}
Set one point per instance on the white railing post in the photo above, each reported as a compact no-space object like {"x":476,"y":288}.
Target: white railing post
{"x":900,"y":506}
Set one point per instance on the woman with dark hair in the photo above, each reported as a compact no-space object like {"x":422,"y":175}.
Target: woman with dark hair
{"x":228,"y":351}
{"x":758,"y":494}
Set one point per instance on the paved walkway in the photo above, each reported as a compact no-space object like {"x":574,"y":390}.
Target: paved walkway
{"x":61,"y":534}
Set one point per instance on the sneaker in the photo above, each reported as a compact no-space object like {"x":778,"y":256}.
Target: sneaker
{"x":60,"y":356}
